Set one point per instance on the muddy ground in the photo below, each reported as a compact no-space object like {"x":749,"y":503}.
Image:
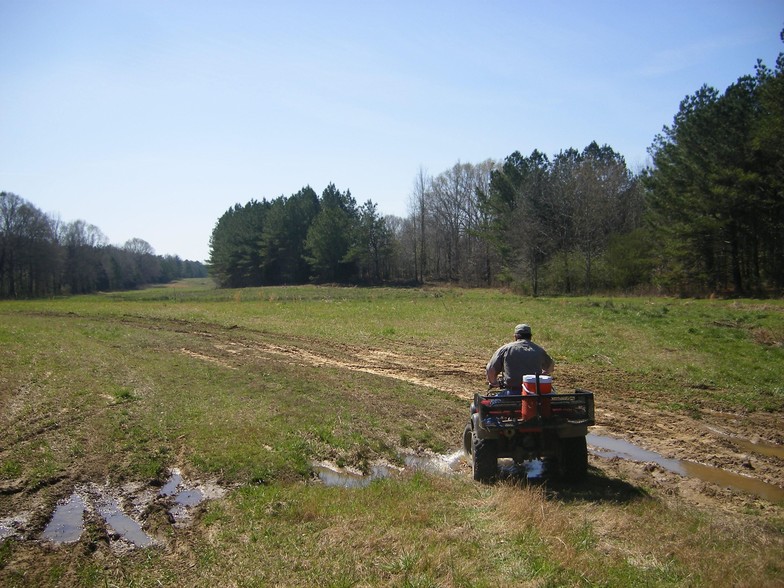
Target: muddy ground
{"x":749,"y":445}
{"x":746,"y":444}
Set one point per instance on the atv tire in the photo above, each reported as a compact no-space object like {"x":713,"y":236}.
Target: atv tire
{"x":484,"y":454}
{"x":468,"y":435}
{"x":573,"y":458}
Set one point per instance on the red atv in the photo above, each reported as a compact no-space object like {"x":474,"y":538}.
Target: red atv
{"x":535,"y":423}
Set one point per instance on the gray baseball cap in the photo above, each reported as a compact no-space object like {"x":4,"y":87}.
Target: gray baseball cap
{"x":522,"y":329}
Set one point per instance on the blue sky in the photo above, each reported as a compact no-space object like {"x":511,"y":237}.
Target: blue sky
{"x":150,"y":118}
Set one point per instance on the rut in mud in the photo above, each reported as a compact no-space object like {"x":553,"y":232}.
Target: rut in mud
{"x":120,"y":515}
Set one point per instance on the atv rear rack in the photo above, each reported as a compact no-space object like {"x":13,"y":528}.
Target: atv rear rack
{"x":498,"y":412}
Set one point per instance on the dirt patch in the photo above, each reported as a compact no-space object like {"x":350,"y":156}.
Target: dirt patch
{"x":413,"y":363}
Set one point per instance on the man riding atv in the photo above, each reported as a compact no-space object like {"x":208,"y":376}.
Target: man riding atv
{"x":527,"y":419}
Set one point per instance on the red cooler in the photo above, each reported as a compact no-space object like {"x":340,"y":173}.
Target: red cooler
{"x":545,"y":386}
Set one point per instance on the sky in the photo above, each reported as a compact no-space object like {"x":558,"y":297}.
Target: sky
{"x":151,"y":118}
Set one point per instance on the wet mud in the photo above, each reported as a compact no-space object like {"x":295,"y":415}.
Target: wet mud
{"x":729,"y":460}
{"x":610,"y":448}
{"x":122,"y":525}
{"x":122,"y":511}
{"x":538,"y":471}
{"x":67,"y":522}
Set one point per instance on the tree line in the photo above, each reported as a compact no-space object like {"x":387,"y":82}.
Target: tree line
{"x":705,"y":216}
{"x":42,"y":256}
{"x":304,"y":237}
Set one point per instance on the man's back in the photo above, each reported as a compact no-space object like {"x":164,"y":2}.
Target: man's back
{"x":519,"y":358}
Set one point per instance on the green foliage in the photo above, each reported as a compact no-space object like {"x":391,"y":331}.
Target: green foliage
{"x":372,"y":247}
{"x":282,"y":240}
{"x":716,"y":196}
{"x":235,"y":255}
{"x":630,"y":259}
{"x":560,"y":214}
{"x":331,"y":236}
{"x":301,"y":238}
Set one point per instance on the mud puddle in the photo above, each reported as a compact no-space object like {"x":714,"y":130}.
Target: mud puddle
{"x":533,"y":471}
{"x":431,"y":463}
{"x":184,"y":498}
{"x":67,"y":522}
{"x":333,"y":476}
{"x":124,"y":527}
{"x":11,"y":526}
{"x":610,"y":447}
{"x":756,"y":446}
{"x":537,"y":470}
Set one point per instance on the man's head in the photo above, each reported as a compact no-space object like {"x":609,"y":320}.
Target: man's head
{"x":522,"y":331}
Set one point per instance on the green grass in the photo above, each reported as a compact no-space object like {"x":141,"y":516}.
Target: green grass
{"x":730,"y":351}
{"x":123,"y":386}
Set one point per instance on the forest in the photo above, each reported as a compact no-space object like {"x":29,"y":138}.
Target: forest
{"x":704,"y":217}
{"x":42,"y":256}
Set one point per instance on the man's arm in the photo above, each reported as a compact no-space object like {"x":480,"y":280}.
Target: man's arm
{"x":548,"y":365}
{"x":492,"y":374}
{"x":494,"y":366}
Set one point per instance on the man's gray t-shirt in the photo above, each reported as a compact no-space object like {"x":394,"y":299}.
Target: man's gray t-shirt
{"x":517,"y":359}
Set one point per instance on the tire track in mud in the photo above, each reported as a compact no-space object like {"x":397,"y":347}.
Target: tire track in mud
{"x":380,"y":362}
{"x":234,"y":342}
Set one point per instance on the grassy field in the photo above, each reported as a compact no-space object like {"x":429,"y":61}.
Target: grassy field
{"x":250,"y":388}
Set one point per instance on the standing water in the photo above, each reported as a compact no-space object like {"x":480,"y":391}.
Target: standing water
{"x":610,"y":447}
{"x":122,"y":524}
{"x":66,"y":524}
{"x":183,"y":498}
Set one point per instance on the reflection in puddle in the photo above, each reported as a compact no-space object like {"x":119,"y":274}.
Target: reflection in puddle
{"x":183,"y":498}
{"x":67,"y":522}
{"x":189,"y":498}
{"x":624,"y":450}
{"x":537,"y":470}
{"x":767,"y":449}
{"x":171,"y":485}
{"x":122,"y":524}
{"x":610,"y":447}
